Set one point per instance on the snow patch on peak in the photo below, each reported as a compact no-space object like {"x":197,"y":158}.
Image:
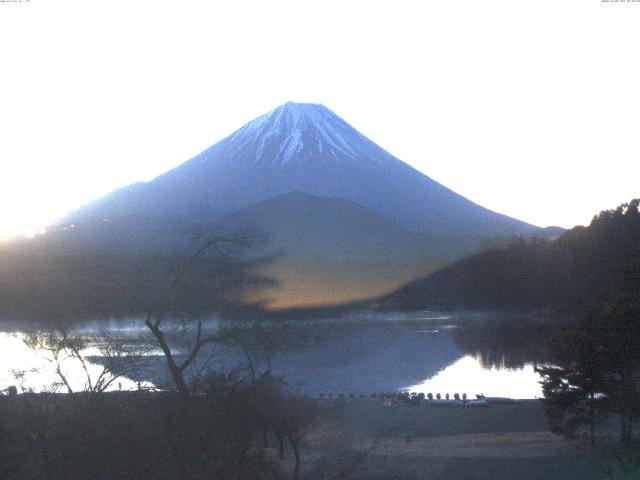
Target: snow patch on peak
{"x":305,"y":130}
{"x":291,"y":146}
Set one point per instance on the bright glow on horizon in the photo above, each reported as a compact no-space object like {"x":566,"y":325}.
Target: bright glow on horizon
{"x":527,"y":108}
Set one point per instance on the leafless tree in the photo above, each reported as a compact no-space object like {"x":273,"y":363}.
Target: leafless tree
{"x":156,"y":318}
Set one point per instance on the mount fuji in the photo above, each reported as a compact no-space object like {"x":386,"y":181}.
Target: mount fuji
{"x":345,"y":219}
{"x":303,"y":148}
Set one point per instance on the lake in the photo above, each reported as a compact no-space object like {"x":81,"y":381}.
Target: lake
{"x":359,"y":354}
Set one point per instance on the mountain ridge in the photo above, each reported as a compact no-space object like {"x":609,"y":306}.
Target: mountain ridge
{"x":584,"y":267}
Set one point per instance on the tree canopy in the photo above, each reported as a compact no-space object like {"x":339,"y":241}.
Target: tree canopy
{"x":585,"y":267}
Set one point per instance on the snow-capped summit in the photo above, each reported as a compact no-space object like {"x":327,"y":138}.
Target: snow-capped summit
{"x":306,"y":148}
{"x":305,"y":131}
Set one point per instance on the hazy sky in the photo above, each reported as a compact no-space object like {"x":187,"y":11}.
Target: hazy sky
{"x":530,"y":108}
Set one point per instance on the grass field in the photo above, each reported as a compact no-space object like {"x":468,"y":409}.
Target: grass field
{"x":362,"y":438}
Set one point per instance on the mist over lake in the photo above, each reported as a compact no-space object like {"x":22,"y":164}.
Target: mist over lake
{"x":358,"y":354}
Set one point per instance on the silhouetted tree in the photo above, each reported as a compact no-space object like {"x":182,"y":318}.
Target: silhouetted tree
{"x":597,"y":369}
{"x":597,"y":372}
{"x":185,"y":296}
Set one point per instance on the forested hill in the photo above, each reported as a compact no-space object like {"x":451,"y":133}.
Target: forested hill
{"x":583,"y":266}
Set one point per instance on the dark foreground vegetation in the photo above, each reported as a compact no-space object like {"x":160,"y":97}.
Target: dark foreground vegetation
{"x":596,"y":373}
{"x":248,"y":431}
{"x":222,"y":433}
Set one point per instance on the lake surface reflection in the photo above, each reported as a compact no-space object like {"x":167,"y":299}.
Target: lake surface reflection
{"x":35,"y":370}
{"x":469,"y":375}
{"x":429,"y":354}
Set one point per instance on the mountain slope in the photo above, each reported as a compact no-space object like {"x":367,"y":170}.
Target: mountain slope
{"x":306,"y":148}
{"x":329,"y":250}
{"x":583,"y":267}
{"x":309,"y":226}
{"x":323,"y":250}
